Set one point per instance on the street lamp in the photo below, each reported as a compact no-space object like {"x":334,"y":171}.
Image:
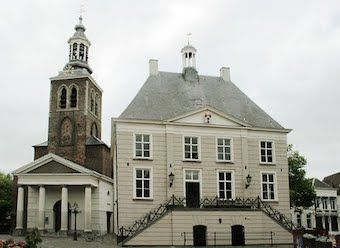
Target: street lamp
{"x":248,"y":181}
{"x":75,"y":211}
{"x":171,"y":178}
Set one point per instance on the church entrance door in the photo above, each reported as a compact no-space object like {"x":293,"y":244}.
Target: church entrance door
{"x":57,"y":216}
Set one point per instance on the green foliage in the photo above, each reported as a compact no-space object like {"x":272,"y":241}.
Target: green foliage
{"x":33,"y":239}
{"x":6,"y":182}
{"x":302,"y":193}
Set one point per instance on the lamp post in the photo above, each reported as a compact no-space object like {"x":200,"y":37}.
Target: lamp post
{"x":75,"y":211}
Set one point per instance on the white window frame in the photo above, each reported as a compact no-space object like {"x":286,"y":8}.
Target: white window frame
{"x":135,"y":168}
{"x":232,"y":183}
{"x":231,"y":160}
{"x":299,"y":216}
{"x":199,"y":180}
{"x":324,"y":202}
{"x":310,"y":220}
{"x":198,"y":148}
{"x":275,"y":186}
{"x":273,"y":152}
{"x":150,"y":146}
{"x":332,"y":202}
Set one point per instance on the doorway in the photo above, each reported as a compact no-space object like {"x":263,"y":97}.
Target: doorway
{"x":192,"y":188}
{"x":108,"y":221}
{"x":200,"y":235}
{"x":237,"y":235}
{"x":57,"y":216}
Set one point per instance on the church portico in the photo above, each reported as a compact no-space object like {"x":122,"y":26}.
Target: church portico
{"x":51,"y":196}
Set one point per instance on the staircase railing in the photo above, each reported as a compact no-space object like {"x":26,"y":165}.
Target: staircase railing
{"x":215,"y":202}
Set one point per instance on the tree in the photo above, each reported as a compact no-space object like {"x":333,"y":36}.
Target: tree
{"x":6,"y":182}
{"x":302,"y":193}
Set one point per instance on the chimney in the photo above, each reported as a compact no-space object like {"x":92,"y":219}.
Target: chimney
{"x":225,"y":73}
{"x":153,"y":67}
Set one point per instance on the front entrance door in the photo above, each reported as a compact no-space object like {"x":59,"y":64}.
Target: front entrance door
{"x":237,"y":235}
{"x":108,"y":221}
{"x":192,"y":194}
{"x":200,"y":235}
{"x":57,"y":216}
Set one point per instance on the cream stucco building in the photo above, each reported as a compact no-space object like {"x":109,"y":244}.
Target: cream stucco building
{"x":196,"y":162}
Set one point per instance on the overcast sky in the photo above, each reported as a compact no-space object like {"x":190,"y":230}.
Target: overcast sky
{"x":285,"y":55}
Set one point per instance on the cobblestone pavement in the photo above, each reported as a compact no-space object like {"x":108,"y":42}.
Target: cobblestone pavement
{"x":55,"y":242}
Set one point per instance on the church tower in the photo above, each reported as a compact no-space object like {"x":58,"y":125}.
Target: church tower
{"x":74,"y":131}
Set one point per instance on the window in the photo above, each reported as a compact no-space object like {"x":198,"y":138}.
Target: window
{"x":191,"y":175}
{"x":268,"y":186}
{"x":143,"y":183}
{"x":267,"y":152}
{"x":225,"y":185}
{"x":63,"y":98}
{"x":333,"y":204}
{"x":298,"y":219}
{"x":191,"y":148}
{"x":309,"y":220}
{"x":142,"y":146}
{"x":92,"y":101}
{"x":324,"y":203}
{"x":74,"y":51}
{"x":334,"y":223}
{"x":96,"y":104}
{"x":94,"y":130}
{"x":224,"y":149}
{"x":73,"y":97}
{"x":81,"y":51}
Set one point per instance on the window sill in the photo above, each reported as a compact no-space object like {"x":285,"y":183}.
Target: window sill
{"x":262,"y":163}
{"x":142,"y":199}
{"x":147,"y":159}
{"x":270,"y":201}
{"x":224,"y":162}
{"x":192,"y":160}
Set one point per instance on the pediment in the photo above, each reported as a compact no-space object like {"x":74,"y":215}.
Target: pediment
{"x":208,"y":115}
{"x":52,"y":167}
{"x":51,"y":164}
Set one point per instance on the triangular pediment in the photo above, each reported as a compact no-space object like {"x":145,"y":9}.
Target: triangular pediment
{"x":51,"y":164}
{"x":208,"y":115}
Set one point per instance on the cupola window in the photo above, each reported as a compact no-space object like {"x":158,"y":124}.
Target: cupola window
{"x":81,"y":51}
{"x":63,"y":98}
{"x":74,"y":51}
{"x":73,"y":98}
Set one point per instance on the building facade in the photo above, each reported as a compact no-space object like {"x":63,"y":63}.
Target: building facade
{"x":196,"y":162}
{"x":73,"y":168}
{"x":324,"y":215}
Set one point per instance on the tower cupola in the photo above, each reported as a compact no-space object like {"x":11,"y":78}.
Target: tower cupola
{"x":189,"y":56}
{"x":79,"y":49}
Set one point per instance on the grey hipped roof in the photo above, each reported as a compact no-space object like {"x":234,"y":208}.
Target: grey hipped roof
{"x":319,"y":184}
{"x":168,"y":95}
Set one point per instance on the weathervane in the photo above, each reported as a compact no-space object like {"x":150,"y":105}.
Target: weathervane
{"x":81,"y":10}
{"x":188,"y":36}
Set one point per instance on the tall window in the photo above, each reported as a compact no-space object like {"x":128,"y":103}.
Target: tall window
{"x":73,"y":97}
{"x":143,"y":183}
{"x":96,"y":104}
{"x":225,"y":185}
{"x":298,"y":219}
{"x":81,"y":51}
{"x":191,"y":148}
{"x":267,"y":152}
{"x":268,"y":186}
{"x":224,"y":149}
{"x":63,"y":98}
{"x":92,"y":101}
{"x":74,"y":51}
{"x":334,"y":223}
{"x":333,"y":203}
{"x":324,"y":203}
{"x":142,"y":145}
{"x":309,"y":220}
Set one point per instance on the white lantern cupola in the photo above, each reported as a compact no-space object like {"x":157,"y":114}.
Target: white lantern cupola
{"x":79,"y":49}
{"x":189,"y":56}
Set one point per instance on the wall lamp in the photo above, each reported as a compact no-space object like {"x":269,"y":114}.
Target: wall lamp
{"x":171,"y":178}
{"x":248,"y":181}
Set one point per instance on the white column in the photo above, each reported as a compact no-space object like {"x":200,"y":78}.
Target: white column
{"x":87,"y":209}
{"x":41,"y":211}
{"x":64,"y":208}
{"x":329,"y":223}
{"x":20,"y":208}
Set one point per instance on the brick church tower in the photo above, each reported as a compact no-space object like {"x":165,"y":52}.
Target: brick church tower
{"x":74,"y":131}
